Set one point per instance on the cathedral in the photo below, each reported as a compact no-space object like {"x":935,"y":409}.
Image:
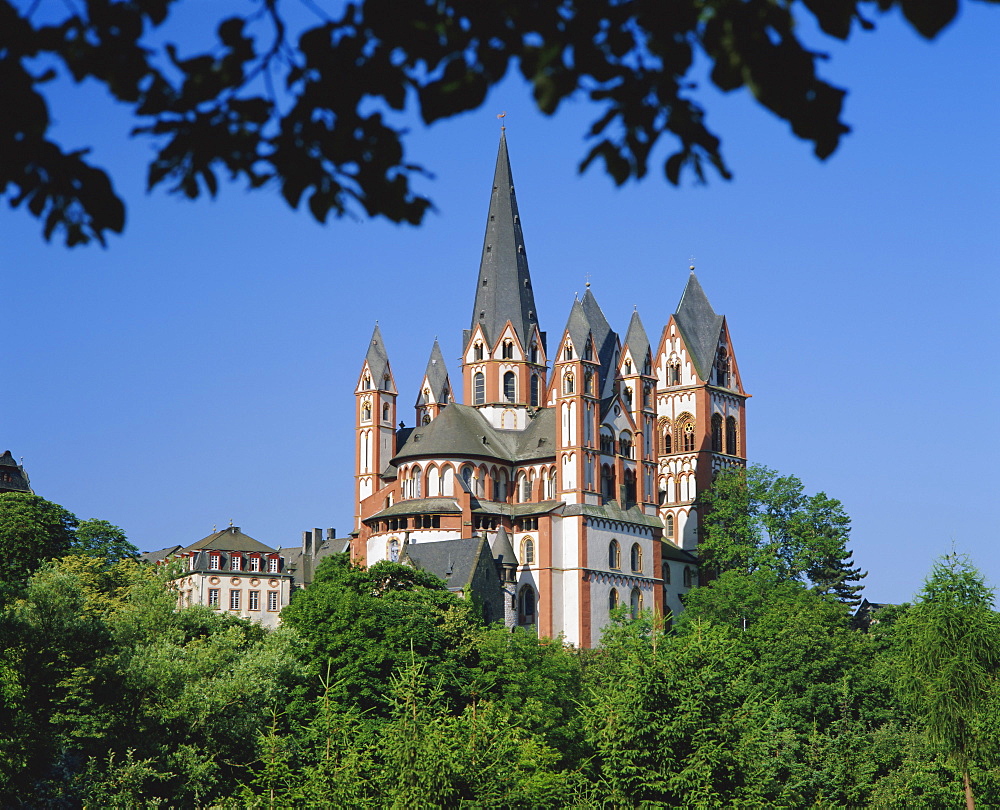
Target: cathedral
{"x":575,"y":464}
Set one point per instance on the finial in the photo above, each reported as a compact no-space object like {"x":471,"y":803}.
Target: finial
{"x":230,"y":523}
{"x":588,"y":280}
{"x":501,"y":116}
{"x":215,"y":528}
{"x":691,"y":264}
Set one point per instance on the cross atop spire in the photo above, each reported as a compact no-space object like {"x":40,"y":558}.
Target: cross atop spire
{"x":503,"y":290}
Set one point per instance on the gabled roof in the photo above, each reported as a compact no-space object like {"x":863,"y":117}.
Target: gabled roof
{"x":637,"y":341}
{"x":230,"y":539}
{"x":377,"y":359}
{"x":503,"y":289}
{"x":700,"y":326}
{"x":453,"y":561}
{"x":437,"y":375}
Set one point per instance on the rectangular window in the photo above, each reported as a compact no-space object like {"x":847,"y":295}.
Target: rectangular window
{"x":272,"y":600}
{"x":255,"y":563}
{"x":254,"y":600}
{"x":236,"y":564}
{"x":272,"y":565}
{"x":213,"y":597}
{"x":215,"y":562}
{"x":234,"y":600}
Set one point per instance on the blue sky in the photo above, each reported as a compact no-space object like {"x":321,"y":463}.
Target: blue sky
{"x":201,"y":368}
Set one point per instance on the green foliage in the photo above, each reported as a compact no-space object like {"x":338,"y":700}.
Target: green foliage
{"x":326,"y":138}
{"x":755,"y":520}
{"x":950,"y":646}
{"x":98,"y":538}
{"x":32,"y":530}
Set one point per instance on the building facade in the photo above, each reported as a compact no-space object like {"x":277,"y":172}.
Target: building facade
{"x":583,"y":457}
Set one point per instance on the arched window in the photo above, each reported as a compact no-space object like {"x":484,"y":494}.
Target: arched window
{"x":552,"y":483}
{"x":628,"y":397}
{"x":625,"y":444}
{"x":668,"y":524}
{"x":366,"y":412}
{"x":524,"y":488}
{"x":366,"y":383}
{"x":689,"y":437}
{"x":588,"y":352}
{"x":568,"y":383}
{"x":636,"y":557}
{"x":687,"y":576}
{"x":527,"y":551}
{"x":607,"y":441}
{"x":608,"y":483}
{"x":536,"y":386}
{"x":416,"y":488}
{"x":526,"y":605}
{"x":630,"y":489}
{"x":614,"y":555}
{"x":613,"y":599}
{"x":386,"y":414}
{"x":732,"y":446}
{"x":533,"y":353}
{"x":588,"y":382}
{"x":722,"y":368}
{"x":568,"y":353}
{"x":674,"y":373}
{"x":509,"y":386}
{"x":508,"y":350}
{"x":425,"y":419}
{"x":668,"y":444}
{"x":479,"y":388}
{"x":636,"y":603}
{"x":467,"y":476}
{"x":628,"y":367}
{"x":477,"y":351}
{"x":393,"y":550}
{"x":716,"y":433}
{"x":666,"y":573}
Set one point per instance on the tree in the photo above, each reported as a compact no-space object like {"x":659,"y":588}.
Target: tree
{"x":32,"y":530}
{"x":328,"y":137}
{"x":756,"y":520}
{"x":98,"y":538}
{"x":950,"y":651}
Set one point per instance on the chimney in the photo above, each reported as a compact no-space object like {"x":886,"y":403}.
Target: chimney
{"x":307,"y":544}
{"x":331,"y":534}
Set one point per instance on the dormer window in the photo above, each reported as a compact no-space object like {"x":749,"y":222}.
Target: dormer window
{"x":272,"y":565}
{"x":236,"y":563}
{"x":255,"y":563}
{"x":215,"y":562}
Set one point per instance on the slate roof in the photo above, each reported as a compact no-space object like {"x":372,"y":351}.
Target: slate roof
{"x":461,"y":430}
{"x":420,"y":505}
{"x":637,"y":341}
{"x":378,"y":360}
{"x":437,"y":376}
{"x":230,"y":539}
{"x":672,"y":552}
{"x":19,"y":478}
{"x":700,"y":326}
{"x":612,"y":511}
{"x":502,"y":548}
{"x":503,"y":291}
{"x":453,"y":561}
{"x":605,"y":342}
{"x":162,"y":554}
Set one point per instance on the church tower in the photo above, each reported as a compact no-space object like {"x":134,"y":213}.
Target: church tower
{"x":638,"y":396}
{"x":375,"y":421}
{"x":701,"y":410}
{"x":435,"y":389}
{"x":503,"y":351}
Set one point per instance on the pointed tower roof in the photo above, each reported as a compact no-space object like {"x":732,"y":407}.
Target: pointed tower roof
{"x":377,"y":358}
{"x":437,"y":374}
{"x":503,"y":291}
{"x":502,"y":547}
{"x":14,"y":478}
{"x":605,"y":343}
{"x":700,"y":326}
{"x":637,"y":340}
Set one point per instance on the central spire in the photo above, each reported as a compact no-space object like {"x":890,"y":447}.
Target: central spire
{"x":503,"y":291}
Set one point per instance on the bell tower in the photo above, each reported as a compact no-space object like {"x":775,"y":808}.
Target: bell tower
{"x":503,"y":350}
{"x":375,"y":420}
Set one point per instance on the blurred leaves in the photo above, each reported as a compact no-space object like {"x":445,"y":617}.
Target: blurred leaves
{"x":309,"y":115}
